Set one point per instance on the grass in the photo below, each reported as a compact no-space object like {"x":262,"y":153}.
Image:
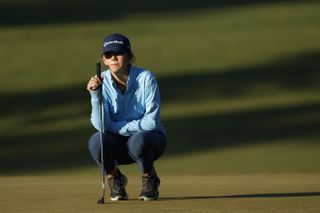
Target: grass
{"x":240,"y":102}
{"x":253,"y":76}
{"x":195,"y":193}
{"x":65,"y":53}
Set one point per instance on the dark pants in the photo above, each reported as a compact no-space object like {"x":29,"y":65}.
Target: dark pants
{"x":143,"y":147}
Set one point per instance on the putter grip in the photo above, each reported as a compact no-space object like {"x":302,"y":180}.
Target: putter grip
{"x":99,"y":71}
{"x":98,"y":67}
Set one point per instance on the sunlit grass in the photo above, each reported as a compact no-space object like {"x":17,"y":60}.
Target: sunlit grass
{"x":208,"y":40}
{"x":296,"y":155}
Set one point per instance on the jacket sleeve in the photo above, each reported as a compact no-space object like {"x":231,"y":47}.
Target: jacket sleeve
{"x":95,"y":113}
{"x":151,"y":118}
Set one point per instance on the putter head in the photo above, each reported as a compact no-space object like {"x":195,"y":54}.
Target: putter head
{"x":101,"y":201}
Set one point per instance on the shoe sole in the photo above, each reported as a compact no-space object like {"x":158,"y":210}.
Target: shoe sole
{"x":144,"y":198}
{"x":117,"y":198}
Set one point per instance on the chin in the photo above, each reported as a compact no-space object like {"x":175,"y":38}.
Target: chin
{"x":114,"y":67}
{"x":114,"y":70}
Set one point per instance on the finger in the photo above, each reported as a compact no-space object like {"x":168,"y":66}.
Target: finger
{"x":96,"y":77}
{"x":90,"y":88}
{"x":92,"y":85}
{"x":95,"y":80}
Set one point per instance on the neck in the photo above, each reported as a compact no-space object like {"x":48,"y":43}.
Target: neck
{"x":121,"y":77}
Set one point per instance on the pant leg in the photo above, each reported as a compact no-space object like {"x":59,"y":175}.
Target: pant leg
{"x":115,"y":151}
{"x":145,"y":147}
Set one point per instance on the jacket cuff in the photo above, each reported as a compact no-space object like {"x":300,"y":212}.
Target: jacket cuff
{"x":94,"y":95}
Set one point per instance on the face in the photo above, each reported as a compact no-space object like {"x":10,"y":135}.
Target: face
{"x":115,"y":61}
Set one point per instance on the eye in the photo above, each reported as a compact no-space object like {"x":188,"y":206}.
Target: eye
{"x":108,"y":55}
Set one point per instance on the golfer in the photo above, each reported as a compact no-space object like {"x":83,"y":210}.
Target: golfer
{"x":132,"y":129}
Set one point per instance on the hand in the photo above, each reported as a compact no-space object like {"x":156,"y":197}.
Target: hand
{"x":93,"y":83}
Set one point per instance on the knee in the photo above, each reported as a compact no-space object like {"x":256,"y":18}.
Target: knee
{"x":138,"y":143}
{"x":94,"y":143}
{"x":147,"y":142}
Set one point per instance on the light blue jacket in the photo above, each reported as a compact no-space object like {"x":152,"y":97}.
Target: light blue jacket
{"x":138,"y":108}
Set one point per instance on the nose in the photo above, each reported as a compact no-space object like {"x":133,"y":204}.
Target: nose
{"x":113,"y":57}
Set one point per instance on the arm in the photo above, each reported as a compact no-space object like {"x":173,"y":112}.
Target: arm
{"x":95,"y":110}
{"x":95,"y":113}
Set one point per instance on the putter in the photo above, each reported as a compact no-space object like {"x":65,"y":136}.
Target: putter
{"x":99,"y":89}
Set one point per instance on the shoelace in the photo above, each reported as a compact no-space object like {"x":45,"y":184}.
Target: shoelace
{"x":117,"y":183}
{"x":150,"y":183}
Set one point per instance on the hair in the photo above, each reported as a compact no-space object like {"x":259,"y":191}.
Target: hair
{"x":131,"y":57}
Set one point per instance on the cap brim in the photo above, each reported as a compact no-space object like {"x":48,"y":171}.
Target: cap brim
{"x":114,"y":48}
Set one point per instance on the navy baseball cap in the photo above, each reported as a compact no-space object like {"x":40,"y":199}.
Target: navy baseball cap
{"x":116,"y":43}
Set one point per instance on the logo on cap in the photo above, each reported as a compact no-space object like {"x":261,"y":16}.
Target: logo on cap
{"x":112,"y":42}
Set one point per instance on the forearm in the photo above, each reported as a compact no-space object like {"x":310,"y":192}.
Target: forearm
{"x":95,"y":113}
{"x":149,"y":121}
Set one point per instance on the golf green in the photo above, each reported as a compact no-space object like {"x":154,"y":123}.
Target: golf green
{"x":239,"y":84}
{"x":178,"y":193}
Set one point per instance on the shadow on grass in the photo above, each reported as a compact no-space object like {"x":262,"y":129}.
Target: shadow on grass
{"x":242,"y":128}
{"x":268,"y":195}
{"x":67,"y":148}
{"x":297,"y":73}
{"x":68,"y":11}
